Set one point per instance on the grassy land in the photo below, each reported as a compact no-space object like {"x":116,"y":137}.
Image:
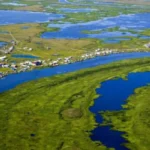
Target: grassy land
{"x":52,"y":113}
{"x":30,"y":38}
{"x":134,"y":121}
{"x":28,"y":35}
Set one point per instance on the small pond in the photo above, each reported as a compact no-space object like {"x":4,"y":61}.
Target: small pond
{"x":14,"y":4}
{"x":24,"y":56}
{"x":79,"y":10}
{"x":114,"y":40}
{"x":7,"y":17}
{"x":2,"y":44}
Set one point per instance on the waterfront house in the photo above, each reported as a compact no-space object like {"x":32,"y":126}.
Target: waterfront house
{"x":147,"y":45}
{"x":3,"y":58}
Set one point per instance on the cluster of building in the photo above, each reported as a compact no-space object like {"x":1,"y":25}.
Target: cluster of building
{"x":6,"y":50}
{"x":28,"y":65}
{"x":98,"y":52}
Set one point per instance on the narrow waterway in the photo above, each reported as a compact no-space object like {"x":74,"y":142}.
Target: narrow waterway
{"x":114,"y":94}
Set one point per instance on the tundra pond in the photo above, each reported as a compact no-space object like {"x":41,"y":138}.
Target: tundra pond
{"x":24,"y":56}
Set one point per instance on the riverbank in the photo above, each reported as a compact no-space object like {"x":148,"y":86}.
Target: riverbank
{"x":44,"y":116}
{"x":31,"y":65}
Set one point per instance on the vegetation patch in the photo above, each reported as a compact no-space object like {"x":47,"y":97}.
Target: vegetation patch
{"x":72,"y":113}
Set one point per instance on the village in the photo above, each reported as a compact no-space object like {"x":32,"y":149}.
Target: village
{"x":32,"y":64}
{"x":29,"y":64}
{"x":38,"y":63}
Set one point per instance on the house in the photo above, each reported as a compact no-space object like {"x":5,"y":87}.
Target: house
{"x":11,"y":49}
{"x":54,"y":63}
{"x":38,"y":62}
{"x":3,"y":58}
{"x":147,"y":45}
{"x":30,"y":49}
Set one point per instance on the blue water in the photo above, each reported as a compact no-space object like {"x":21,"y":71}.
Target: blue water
{"x":103,"y":3}
{"x":14,"y":4}
{"x":136,"y":22}
{"x":79,"y":10}
{"x":2,"y":44}
{"x":113,"y":95}
{"x":63,"y":1}
{"x":24,"y":56}
{"x":15,"y":17}
{"x":114,"y":40}
{"x":13,"y":80}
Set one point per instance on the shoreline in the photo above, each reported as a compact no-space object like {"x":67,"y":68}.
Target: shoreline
{"x":80,"y":59}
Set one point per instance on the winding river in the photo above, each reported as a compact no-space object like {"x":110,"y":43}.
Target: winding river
{"x":111,"y":99}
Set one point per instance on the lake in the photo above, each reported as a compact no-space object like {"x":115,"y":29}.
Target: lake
{"x":24,"y":56}
{"x":113,"y":94}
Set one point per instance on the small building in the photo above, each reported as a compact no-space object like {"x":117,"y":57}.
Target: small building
{"x":3,"y":58}
{"x":147,"y":45}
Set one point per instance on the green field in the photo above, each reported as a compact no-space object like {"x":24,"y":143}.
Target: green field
{"x":61,"y":47}
{"x":53,"y":113}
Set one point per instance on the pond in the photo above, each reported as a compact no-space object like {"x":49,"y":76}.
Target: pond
{"x":24,"y":56}
{"x":79,"y":10}
{"x":14,"y":4}
{"x":7,"y":17}
{"x":13,"y":80}
{"x":63,"y":1}
{"x":2,"y":44}
{"x":136,"y":22}
{"x":114,"y":40}
{"x":112,"y":99}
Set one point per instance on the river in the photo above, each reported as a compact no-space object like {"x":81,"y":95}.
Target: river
{"x":13,"y":80}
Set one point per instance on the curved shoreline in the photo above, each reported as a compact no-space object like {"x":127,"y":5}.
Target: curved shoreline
{"x":112,"y":100}
{"x":13,"y":80}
